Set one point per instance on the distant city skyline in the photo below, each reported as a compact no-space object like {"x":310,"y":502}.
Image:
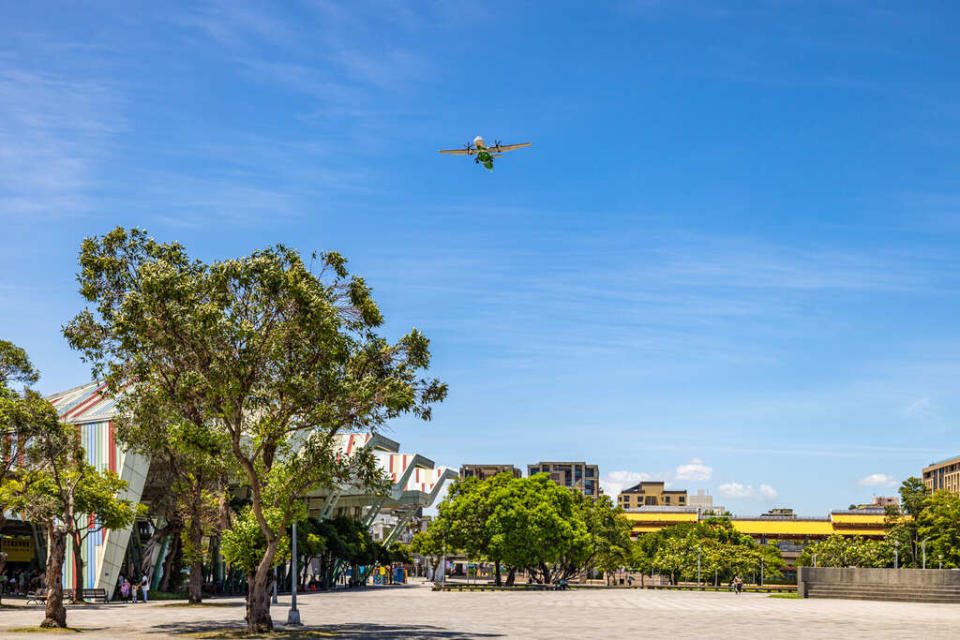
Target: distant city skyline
{"x":729,"y":261}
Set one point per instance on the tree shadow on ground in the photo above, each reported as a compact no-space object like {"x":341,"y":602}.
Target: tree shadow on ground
{"x":351,"y":631}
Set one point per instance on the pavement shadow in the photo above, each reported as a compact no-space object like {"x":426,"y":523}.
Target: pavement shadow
{"x":354,"y":631}
{"x":371,"y":631}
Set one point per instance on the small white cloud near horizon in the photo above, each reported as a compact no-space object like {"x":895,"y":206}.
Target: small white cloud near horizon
{"x":768,"y":492}
{"x":616,"y":481}
{"x":735,"y":490}
{"x":695,"y":471}
{"x":877,"y":480}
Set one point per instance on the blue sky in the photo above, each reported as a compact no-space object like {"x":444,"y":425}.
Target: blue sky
{"x":730,"y":259}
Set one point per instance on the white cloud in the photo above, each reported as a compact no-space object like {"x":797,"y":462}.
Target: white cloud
{"x":877,"y":480}
{"x":735,"y":490}
{"x":695,"y":470}
{"x":768,"y":492}
{"x":616,"y":481}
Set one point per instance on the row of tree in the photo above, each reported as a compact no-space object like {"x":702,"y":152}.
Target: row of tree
{"x":529,"y":524}
{"x":713,"y":545}
{"x":552,"y":533}
{"x":237,"y":376}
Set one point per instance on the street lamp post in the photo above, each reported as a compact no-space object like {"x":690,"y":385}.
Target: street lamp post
{"x":896,"y":554}
{"x":761,"y":570}
{"x":941,"y":560}
{"x":293,"y":616}
{"x":274,"y":600}
{"x":923,"y":546}
{"x":814,"y":560}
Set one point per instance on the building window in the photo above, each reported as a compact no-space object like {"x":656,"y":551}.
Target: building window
{"x":589,"y":472}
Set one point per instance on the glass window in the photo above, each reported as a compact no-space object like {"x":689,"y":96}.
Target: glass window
{"x":589,"y":472}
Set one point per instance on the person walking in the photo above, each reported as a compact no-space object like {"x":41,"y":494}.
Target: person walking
{"x":737,"y":585}
{"x":144,"y":587}
{"x":134,"y":585}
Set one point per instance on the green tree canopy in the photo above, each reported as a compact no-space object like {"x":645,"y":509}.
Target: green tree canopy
{"x":274,"y":355}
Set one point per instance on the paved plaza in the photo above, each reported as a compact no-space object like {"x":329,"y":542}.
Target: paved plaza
{"x":416,"y":612}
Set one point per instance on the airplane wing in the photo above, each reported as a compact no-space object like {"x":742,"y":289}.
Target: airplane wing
{"x":459,"y":152}
{"x":510,"y":147}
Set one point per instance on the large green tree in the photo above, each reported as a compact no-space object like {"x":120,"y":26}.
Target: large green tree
{"x":275,"y":355}
{"x":533,"y":524}
{"x":59,"y":490}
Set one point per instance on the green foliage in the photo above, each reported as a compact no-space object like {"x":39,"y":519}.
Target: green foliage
{"x":15,"y":365}
{"x":243,"y":544}
{"x":844,"y":551}
{"x":260,"y":359}
{"x":940,"y":522}
{"x":721,"y":549}
{"x":529,"y":523}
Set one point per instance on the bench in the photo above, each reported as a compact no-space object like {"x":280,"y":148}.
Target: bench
{"x":36,"y":597}
{"x":97,"y":595}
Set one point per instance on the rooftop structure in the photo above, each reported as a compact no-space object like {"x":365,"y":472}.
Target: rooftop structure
{"x":652,"y":494}
{"x":578,"y":476}
{"x":484,"y":471}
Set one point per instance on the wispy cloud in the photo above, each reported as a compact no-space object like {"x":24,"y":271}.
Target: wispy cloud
{"x":53,"y":133}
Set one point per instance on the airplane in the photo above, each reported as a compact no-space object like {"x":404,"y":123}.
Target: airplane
{"x":485,"y":154}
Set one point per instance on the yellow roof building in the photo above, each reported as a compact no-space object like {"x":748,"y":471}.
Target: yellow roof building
{"x":846,"y":523}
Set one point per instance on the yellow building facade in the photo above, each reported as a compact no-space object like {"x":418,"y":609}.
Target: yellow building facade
{"x":846,"y":523}
{"x":651,"y":494}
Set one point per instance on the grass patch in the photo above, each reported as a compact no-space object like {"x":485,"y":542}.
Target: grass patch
{"x":45,"y":630}
{"x":167,"y":595}
{"x":788,"y":596}
{"x":243,"y":634}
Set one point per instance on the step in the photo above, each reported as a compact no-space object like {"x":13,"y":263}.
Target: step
{"x":883,"y":592}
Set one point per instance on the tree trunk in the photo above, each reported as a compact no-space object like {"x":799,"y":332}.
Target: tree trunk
{"x":545,"y":573}
{"x":56,"y":614}
{"x":195,"y":590}
{"x":511,"y":576}
{"x":258,"y":596}
{"x":258,"y":603}
{"x":77,"y":561}
{"x":496,"y":568}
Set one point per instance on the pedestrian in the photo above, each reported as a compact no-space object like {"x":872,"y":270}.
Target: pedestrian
{"x":125,"y":590}
{"x":737,"y":585}
{"x":133,"y":589}
{"x":144,"y":587}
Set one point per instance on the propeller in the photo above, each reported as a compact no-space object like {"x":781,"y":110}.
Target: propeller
{"x":497,"y":145}
{"x":468,"y":146}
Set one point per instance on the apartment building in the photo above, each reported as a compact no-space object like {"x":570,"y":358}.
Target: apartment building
{"x":651,"y":494}
{"x":578,"y":476}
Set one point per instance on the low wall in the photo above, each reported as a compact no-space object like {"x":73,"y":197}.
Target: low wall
{"x":903,"y":578}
